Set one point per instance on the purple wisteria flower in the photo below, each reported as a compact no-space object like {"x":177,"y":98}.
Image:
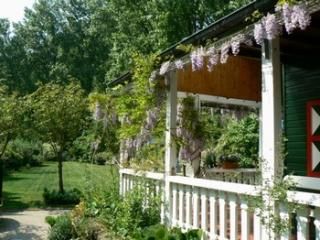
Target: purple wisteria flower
{"x":248,"y":40}
{"x":197,"y":59}
{"x":296,"y":16}
{"x":235,"y":47}
{"x":300,"y":16}
{"x":271,"y":26}
{"x":224,"y":52}
{"x":179,"y":64}
{"x":259,"y":33}
{"x":164,"y":68}
{"x":213,"y":58}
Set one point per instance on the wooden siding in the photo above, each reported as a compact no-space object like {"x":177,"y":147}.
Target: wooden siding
{"x":301,"y":84}
{"x":239,"y":78}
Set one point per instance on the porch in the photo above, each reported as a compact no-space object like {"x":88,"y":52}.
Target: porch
{"x":223,"y":207}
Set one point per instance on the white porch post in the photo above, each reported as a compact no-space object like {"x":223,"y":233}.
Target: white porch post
{"x":271,"y":118}
{"x":170,"y":146}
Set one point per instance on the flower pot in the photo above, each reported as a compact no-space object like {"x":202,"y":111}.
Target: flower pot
{"x":229,"y":164}
{"x":192,"y":169}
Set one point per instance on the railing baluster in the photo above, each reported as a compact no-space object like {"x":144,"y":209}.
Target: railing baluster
{"x":204,"y":210}
{"x":317,"y":223}
{"x":195,"y":208}
{"x":188,"y":207}
{"x":284,"y":215}
{"x":181,"y":206}
{"x":233,"y":217}
{"x":302,"y":223}
{"x":213,"y":215}
{"x":174,"y":204}
{"x":162,"y":215}
{"x":256,"y":225}
{"x":245,"y":226}
{"x":222,"y":216}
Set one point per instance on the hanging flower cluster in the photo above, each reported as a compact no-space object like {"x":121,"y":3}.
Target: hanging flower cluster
{"x":213,"y":58}
{"x":269,"y":27}
{"x":188,"y":131}
{"x":197,"y":59}
{"x":132,"y":145}
{"x":294,"y":16}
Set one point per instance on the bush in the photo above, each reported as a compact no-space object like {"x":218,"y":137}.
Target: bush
{"x":21,"y":152}
{"x":81,"y":148}
{"x":240,"y":139}
{"x":61,"y":229}
{"x":54,"y":197}
{"x":47,"y":152}
{"x":157,"y":232}
{"x":102,"y":158}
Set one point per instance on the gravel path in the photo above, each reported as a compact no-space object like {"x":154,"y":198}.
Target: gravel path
{"x":25,"y":225}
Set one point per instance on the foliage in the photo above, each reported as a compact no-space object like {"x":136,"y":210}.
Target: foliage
{"x":88,"y":41}
{"x":240,"y":139}
{"x":60,"y":114}
{"x":161,"y":232}
{"x":54,"y":197}
{"x":102,"y":158}
{"x":61,"y":228}
{"x":21,"y":152}
{"x":272,"y":196}
{"x":11,"y":122}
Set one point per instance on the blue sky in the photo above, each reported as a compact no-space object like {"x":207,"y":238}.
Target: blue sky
{"x":14,"y":9}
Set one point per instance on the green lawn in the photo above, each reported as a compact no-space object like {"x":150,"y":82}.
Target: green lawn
{"x":23,"y":189}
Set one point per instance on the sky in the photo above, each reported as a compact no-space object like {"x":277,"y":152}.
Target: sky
{"x":14,"y":9}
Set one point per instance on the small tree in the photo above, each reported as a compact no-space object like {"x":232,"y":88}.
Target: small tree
{"x":60,"y":115}
{"x":11,"y":117}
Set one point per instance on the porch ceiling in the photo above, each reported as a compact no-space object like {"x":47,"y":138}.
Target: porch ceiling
{"x":239,"y":78}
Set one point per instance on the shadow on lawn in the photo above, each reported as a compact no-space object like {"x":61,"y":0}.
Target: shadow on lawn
{"x":13,"y":201}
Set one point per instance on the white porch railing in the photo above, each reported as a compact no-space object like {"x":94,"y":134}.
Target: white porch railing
{"x":220,"y":209}
{"x":250,"y":176}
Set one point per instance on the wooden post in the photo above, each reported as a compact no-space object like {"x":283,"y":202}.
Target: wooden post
{"x":271,"y":120}
{"x":170,"y":146}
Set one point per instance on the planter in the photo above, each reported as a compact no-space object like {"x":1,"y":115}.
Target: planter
{"x":229,"y":164}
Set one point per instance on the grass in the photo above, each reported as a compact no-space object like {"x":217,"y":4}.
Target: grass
{"x":24,"y":188}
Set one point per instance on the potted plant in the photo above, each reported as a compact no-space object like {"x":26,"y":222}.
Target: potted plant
{"x":239,"y":142}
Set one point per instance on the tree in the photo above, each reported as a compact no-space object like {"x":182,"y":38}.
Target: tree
{"x":60,"y":114}
{"x":11,"y":118}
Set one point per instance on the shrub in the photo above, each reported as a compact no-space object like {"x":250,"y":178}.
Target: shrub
{"x":48,"y":153}
{"x":102,"y":158}
{"x":21,"y":152}
{"x":57,"y":198}
{"x":240,"y":139}
{"x":61,"y":229}
{"x":157,"y":232}
{"x":81,"y":148}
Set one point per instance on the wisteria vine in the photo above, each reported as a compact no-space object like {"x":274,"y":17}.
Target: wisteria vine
{"x":291,"y":16}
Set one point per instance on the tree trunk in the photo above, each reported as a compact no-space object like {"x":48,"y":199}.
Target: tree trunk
{"x":60,"y":160}
{"x":1,"y":181}
{"x":1,"y":167}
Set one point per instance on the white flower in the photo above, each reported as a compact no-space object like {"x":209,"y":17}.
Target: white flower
{"x":179,"y":64}
{"x":235,"y":47}
{"x":197,"y":59}
{"x":271,"y":26}
{"x":259,"y":33}
{"x":224,"y":53}
{"x":164,"y":68}
{"x":213,"y":58}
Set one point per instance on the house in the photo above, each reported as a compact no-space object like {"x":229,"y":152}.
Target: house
{"x":279,"y":73}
